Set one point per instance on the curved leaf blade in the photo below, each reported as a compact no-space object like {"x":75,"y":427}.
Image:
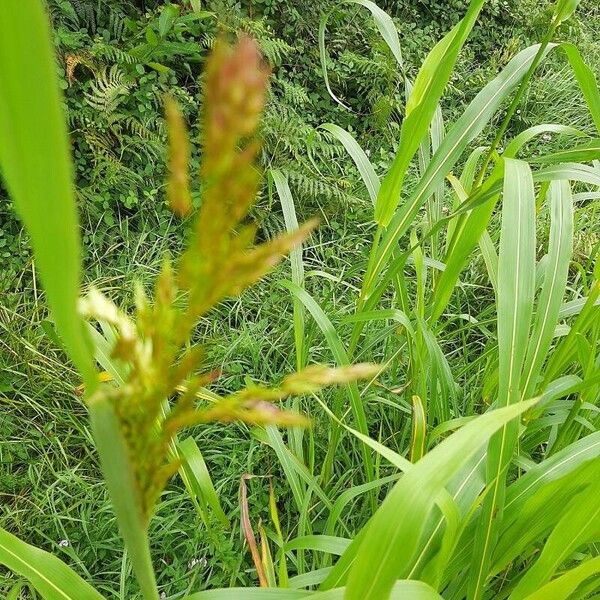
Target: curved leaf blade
{"x":423,"y":101}
{"x":555,"y":281}
{"x":51,"y":577}
{"x":390,"y":539}
{"x":562,"y":587}
{"x":361,"y":160}
{"x":468,"y":126}
{"x":516,"y":287}
{"x":36,"y":165}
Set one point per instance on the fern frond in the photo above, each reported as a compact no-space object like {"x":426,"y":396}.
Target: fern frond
{"x":108,"y":90}
{"x":116,"y":25}
{"x":292,"y":93}
{"x":86,"y":14}
{"x":108,"y":53}
{"x":318,"y":188}
{"x":275,"y":49}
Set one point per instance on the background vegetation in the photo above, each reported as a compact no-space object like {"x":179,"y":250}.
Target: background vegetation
{"x":117,"y":59}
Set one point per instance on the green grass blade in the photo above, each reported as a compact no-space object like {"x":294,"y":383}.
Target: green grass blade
{"x":325,"y":57}
{"x":586,"y":80}
{"x":38,"y":174}
{"x":564,"y":586}
{"x":566,"y":349}
{"x":348,"y":495}
{"x":515,"y":145}
{"x":197,"y":478}
{"x":463,"y":187}
{"x":442,"y":387}
{"x":301,"y":481}
{"x":341,"y":358}
{"x":468,"y":126}
{"x":402,"y":590}
{"x":555,"y":281}
{"x":578,"y":525}
{"x":288,"y":208}
{"x":556,"y":389}
{"x":382,"y":314}
{"x":573,"y":307}
{"x":419,"y":430}
{"x":536,"y":500}
{"x":15,"y":592}
{"x":249,"y":594}
{"x":564,"y":9}
{"x":288,"y":465}
{"x":394,"y":458}
{"x":386,"y":28}
{"x":294,"y":469}
{"x":490,"y":257}
{"x":362,"y":162}
{"x":437,"y":131}
{"x":51,"y":577}
{"x":36,"y":165}
{"x":393,"y":533}
{"x":539,"y":515}
{"x":291,"y":224}
{"x":311,"y":578}
{"x":558,"y":465}
{"x":464,"y":489}
{"x":464,"y":240}
{"x":516,"y":286}
{"x":469,"y":172}
{"x":585,"y":196}
{"x":321,"y":543}
{"x":570,"y":171}
{"x":584,"y":153}
{"x":420,"y":109}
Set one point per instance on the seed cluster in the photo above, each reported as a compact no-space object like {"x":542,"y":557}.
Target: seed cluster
{"x":220,"y":261}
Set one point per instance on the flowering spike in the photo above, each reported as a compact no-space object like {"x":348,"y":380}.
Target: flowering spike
{"x":178,"y":191}
{"x":221,"y":260}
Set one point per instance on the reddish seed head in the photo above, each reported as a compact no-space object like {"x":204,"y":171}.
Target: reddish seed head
{"x":236,"y":82}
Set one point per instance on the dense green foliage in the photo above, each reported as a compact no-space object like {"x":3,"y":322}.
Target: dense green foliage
{"x":116,"y":61}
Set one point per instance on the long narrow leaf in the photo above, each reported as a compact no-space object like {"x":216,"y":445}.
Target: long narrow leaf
{"x":421,"y":106}
{"x":361,"y":160}
{"x":341,"y":357}
{"x":515,"y":145}
{"x":468,"y":126}
{"x":584,"y":153}
{"x":516,"y":285}
{"x":402,"y":590}
{"x":291,"y":224}
{"x":119,"y":475}
{"x":197,"y":478}
{"x":555,"y":281}
{"x":386,"y":28}
{"x":586,"y":80}
{"x":35,"y":162}
{"x":51,"y":577}
{"x":579,"y":524}
{"x":562,"y":587}
{"x":393,"y":533}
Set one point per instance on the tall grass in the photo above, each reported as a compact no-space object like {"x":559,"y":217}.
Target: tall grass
{"x":498,"y":495}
